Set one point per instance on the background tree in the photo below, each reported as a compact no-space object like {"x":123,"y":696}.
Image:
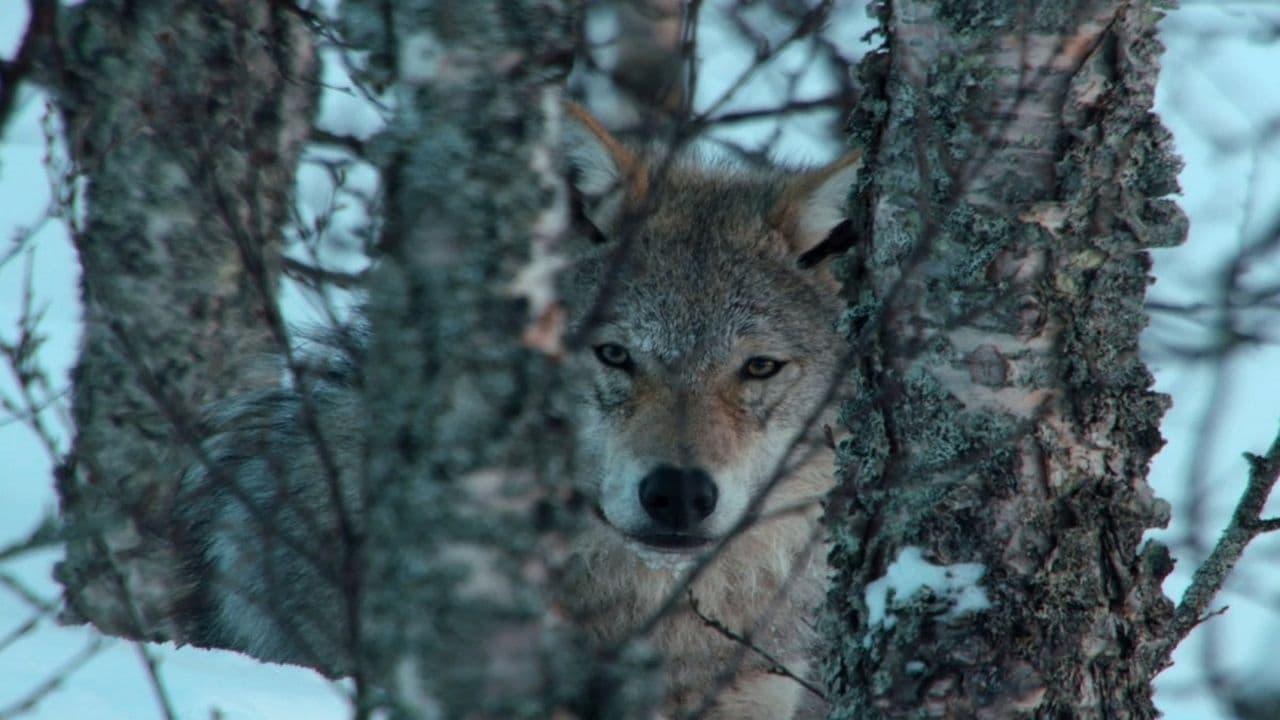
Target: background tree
{"x":186,"y":125}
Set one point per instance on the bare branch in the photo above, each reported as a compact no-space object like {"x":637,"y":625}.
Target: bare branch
{"x":1245,"y":525}
{"x":54,"y":681}
{"x":776,"y":666}
{"x":316,"y":277}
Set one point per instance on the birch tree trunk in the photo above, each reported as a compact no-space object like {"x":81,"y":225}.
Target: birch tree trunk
{"x":185,"y":121}
{"x":467,"y":489}
{"x":1004,"y":421}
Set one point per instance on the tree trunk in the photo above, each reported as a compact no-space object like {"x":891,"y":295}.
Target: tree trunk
{"x":185,"y":121}
{"x":1004,"y":422}
{"x":467,"y":489}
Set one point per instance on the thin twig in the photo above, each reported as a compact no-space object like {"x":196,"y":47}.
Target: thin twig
{"x":1245,"y":525}
{"x":29,"y":596}
{"x":317,"y":277}
{"x":46,"y":534}
{"x":152,"y":667}
{"x":776,"y":666}
{"x":349,"y":142}
{"x":23,"y":630}
{"x":54,"y":681}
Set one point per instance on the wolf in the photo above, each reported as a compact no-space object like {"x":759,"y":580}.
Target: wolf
{"x":703,"y":387}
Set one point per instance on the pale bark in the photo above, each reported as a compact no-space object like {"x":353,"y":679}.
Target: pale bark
{"x":185,"y":121}
{"x":467,"y":479}
{"x":1016,"y":178}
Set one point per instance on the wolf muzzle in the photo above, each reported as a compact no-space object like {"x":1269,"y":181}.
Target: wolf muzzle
{"x":677,"y":500}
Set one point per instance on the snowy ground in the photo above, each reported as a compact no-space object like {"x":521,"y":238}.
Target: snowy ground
{"x":1219,"y":95}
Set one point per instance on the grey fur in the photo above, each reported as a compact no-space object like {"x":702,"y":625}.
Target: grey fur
{"x":706,"y":273}
{"x":261,"y":511}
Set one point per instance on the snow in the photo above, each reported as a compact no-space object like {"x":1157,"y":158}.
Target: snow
{"x":1217,"y":94}
{"x":911,"y":575}
{"x":801,"y":138}
{"x":13,"y":22}
{"x":343,"y":110}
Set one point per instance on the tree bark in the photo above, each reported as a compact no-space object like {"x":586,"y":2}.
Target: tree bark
{"x":1004,"y":422}
{"x":467,"y":490}
{"x":184,"y":122}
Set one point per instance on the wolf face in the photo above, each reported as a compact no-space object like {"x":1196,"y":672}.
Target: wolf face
{"x":706,"y":353}
{"x":704,"y":371}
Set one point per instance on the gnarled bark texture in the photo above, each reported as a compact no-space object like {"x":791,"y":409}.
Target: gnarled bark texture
{"x":1016,"y":176}
{"x":185,"y":121}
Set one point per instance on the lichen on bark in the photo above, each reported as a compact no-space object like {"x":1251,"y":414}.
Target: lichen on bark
{"x":185,"y":123}
{"x":1002,"y":414}
{"x":468,"y":505}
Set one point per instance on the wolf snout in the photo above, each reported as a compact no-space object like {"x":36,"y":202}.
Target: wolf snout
{"x":678,"y":499}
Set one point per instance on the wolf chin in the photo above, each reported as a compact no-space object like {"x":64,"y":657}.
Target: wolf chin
{"x":702,"y":396}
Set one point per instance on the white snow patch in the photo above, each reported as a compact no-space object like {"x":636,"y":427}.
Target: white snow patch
{"x":14,"y":18}
{"x":911,"y":573}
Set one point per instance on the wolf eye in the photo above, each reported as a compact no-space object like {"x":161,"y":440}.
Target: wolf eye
{"x":614,"y":355}
{"x":761,"y":368}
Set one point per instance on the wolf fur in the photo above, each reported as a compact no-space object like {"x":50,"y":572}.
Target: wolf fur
{"x":693,"y":270}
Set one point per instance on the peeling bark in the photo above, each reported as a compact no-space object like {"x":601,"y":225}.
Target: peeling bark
{"x":185,"y":121}
{"x":1016,"y":176}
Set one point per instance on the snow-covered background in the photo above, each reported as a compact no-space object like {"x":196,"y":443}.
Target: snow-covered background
{"x":1219,"y":94}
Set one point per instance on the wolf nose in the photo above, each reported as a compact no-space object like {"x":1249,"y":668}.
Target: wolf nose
{"x":678,"y":499}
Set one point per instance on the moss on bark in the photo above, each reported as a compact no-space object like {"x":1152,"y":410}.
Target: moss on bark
{"x":185,"y":123}
{"x":1003,"y":415}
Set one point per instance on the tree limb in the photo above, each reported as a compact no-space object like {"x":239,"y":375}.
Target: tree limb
{"x":1245,"y":525}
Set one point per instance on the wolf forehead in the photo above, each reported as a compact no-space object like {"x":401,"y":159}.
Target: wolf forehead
{"x":703,"y":268}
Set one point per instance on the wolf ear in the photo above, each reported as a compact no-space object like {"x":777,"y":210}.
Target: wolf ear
{"x":602,"y":171}
{"x":812,"y":214}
